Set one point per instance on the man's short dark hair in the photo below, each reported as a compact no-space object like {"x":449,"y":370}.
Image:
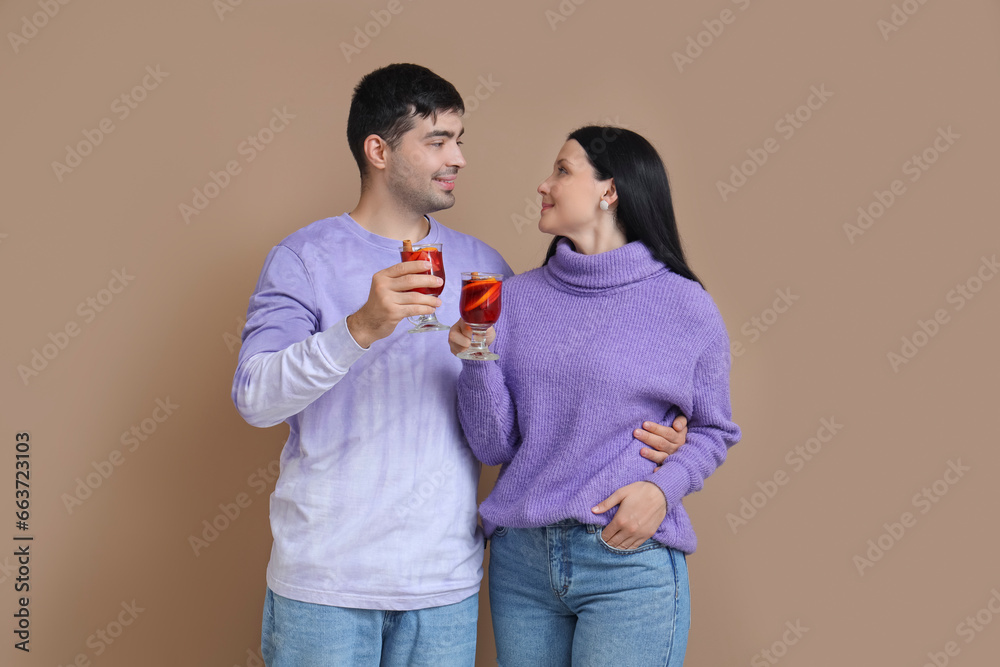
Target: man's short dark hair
{"x":387,"y":101}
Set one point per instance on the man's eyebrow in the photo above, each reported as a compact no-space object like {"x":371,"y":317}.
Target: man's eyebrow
{"x":443,"y":133}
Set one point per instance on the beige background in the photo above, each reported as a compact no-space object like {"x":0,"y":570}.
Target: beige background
{"x":170,"y":333}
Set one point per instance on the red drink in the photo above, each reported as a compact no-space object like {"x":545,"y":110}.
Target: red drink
{"x":480,"y":300}
{"x":428,"y":253}
{"x":479,"y":306}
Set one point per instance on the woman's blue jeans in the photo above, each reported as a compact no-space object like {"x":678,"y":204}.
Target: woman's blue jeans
{"x":559,"y":595}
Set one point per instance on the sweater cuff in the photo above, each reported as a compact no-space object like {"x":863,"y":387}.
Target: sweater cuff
{"x":477,"y":368}
{"x":338,"y":346}
{"x":475,"y":377}
{"x":672,"y":481}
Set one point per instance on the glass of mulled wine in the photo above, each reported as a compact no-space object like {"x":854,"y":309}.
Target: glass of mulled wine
{"x":427,"y":252}
{"x":479,"y":306}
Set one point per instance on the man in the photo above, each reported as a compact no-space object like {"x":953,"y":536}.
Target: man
{"x":377,"y":555}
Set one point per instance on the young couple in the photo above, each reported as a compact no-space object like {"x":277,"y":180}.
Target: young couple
{"x":611,"y":345}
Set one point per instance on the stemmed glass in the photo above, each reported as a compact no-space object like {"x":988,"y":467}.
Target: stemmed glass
{"x":428,"y":252}
{"x":480,"y":308}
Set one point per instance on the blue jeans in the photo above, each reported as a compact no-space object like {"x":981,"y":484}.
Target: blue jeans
{"x":302,"y":634}
{"x":559,"y":595}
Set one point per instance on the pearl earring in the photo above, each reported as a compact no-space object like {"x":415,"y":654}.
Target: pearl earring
{"x":604,"y":205}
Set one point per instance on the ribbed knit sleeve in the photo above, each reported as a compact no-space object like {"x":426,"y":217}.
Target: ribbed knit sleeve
{"x":711,"y":431}
{"x":487,"y":412}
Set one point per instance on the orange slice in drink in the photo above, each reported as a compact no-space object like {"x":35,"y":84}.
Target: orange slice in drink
{"x":485,"y":296}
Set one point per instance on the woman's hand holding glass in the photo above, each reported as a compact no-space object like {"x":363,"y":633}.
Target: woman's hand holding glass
{"x":479,"y":305}
{"x":460,"y":337}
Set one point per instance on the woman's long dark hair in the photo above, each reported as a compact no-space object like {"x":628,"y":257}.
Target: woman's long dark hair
{"x":645,"y":208}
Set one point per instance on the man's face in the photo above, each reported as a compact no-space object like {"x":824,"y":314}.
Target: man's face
{"x":421,"y":171}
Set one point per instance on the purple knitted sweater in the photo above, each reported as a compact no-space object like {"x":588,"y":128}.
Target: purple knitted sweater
{"x":590,"y":347}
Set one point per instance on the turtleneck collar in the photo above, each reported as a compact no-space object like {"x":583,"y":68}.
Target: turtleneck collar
{"x":631,"y":263}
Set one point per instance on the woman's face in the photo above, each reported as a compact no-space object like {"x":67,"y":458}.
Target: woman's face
{"x":571,"y":196}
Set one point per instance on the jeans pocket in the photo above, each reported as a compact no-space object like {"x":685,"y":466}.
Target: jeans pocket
{"x":645,"y":546}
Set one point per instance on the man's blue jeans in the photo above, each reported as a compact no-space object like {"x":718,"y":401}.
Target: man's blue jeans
{"x":559,"y":595}
{"x":302,"y":634}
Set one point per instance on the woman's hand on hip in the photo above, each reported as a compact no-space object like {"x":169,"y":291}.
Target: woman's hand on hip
{"x":641,"y":509}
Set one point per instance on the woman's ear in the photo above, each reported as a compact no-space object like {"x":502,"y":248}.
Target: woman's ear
{"x":610,"y":192}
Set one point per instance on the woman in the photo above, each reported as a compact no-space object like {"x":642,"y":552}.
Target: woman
{"x":589,"y":542}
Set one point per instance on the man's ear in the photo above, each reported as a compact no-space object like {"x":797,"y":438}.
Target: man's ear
{"x":376,"y":151}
